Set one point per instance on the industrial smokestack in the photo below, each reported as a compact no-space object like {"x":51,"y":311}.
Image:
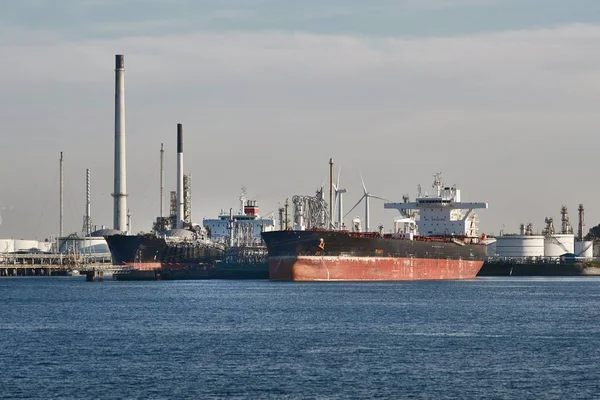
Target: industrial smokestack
{"x":60,"y":197}
{"x":162,"y":179}
{"x":120,"y":192}
{"x":180,"y":176}
{"x":581,"y":222}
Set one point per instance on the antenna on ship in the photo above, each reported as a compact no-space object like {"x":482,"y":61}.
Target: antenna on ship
{"x":243,"y":196}
{"x":230,"y":227}
{"x":437,"y":183}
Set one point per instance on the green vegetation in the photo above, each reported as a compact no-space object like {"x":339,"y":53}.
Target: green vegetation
{"x":593,"y":234}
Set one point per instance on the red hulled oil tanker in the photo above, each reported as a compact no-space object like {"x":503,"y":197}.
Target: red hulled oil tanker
{"x":434,"y":238}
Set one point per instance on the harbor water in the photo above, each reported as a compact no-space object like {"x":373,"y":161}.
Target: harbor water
{"x":513,"y":338}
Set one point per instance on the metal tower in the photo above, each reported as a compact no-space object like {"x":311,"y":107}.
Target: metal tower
{"x":87,"y":219}
{"x":187,"y":199}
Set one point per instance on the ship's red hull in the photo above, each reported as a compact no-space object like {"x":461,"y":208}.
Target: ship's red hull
{"x":349,"y":268}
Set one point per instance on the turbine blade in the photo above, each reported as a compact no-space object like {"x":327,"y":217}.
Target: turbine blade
{"x":338,"y":179}
{"x":379,"y":198}
{"x":356,"y":205}
{"x":363,"y":183}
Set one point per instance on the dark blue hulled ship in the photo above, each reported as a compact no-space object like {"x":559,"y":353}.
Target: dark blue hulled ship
{"x":227,"y":247}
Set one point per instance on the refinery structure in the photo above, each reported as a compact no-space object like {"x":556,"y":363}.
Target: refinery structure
{"x":551,"y":243}
{"x":441,"y":213}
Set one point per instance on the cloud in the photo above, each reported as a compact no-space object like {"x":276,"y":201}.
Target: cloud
{"x":499,"y":113}
{"x":258,"y":57}
{"x":445,"y":4}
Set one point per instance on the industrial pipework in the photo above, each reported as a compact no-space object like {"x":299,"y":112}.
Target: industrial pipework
{"x":180,"y":216}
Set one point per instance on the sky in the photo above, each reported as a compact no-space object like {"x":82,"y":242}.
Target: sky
{"x":501,"y":96}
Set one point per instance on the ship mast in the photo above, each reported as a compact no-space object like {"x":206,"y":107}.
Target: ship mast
{"x":231,"y":227}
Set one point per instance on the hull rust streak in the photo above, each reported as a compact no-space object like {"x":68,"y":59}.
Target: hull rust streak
{"x":349,"y":268}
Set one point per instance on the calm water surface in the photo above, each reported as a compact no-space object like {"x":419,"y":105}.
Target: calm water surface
{"x":487,"y":338}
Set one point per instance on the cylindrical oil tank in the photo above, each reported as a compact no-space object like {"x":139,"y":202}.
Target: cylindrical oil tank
{"x":584,"y":249}
{"x":7,"y":245}
{"x":93,"y":245}
{"x":45,"y":246}
{"x":520,"y":246}
{"x":558,"y":244}
{"x":83,"y":245}
{"x":490,"y":247}
{"x":25,"y":244}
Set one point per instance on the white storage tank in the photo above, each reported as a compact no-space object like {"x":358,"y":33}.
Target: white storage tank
{"x":85,"y":245}
{"x":520,"y":246}
{"x":25,"y":244}
{"x":490,"y":248}
{"x":558,"y":244}
{"x":584,"y":249}
{"x":93,"y":245}
{"x":45,"y":246}
{"x":7,"y":245}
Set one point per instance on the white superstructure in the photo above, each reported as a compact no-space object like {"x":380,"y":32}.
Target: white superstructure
{"x":243,"y":228}
{"x":441,"y":214}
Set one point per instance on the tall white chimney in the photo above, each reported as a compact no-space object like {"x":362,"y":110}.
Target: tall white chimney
{"x":179,"y":176}
{"x":120,"y":192}
{"x":60,"y":197}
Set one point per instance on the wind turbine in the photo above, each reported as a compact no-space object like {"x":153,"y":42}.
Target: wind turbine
{"x":366,"y":196}
{"x":339,"y":205}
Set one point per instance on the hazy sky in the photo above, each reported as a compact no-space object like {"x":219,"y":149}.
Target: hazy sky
{"x":502,"y":96}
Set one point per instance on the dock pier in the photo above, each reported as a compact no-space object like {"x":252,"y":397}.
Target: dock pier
{"x":94,"y":267}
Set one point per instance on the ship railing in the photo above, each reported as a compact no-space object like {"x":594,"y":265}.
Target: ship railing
{"x":525,"y":260}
